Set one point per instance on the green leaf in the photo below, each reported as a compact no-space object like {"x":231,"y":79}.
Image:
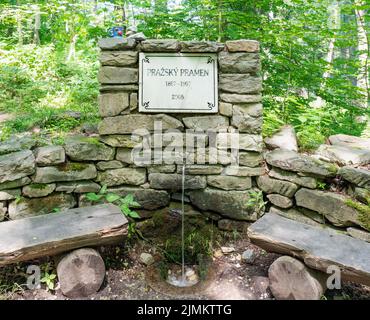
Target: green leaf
{"x":103,"y":190}
{"x":93,"y":196}
{"x":134,"y":214}
{"x":111,"y":197}
{"x":135,"y":204}
{"x":125,"y":210}
{"x":128,"y":199}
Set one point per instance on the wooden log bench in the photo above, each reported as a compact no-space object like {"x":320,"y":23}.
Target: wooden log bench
{"x":54,"y":233}
{"x":319,"y":248}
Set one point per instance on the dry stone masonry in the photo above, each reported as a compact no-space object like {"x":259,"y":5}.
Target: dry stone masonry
{"x":42,"y":178}
{"x":329,"y":188}
{"x":323,"y":189}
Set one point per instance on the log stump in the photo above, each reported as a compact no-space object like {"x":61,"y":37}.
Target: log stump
{"x":81,"y":273}
{"x":290,"y":279}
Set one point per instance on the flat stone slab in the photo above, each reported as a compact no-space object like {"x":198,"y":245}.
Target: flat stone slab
{"x":350,"y":141}
{"x":344,"y":155}
{"x":318,"y":248}
{"x":50,"y":234}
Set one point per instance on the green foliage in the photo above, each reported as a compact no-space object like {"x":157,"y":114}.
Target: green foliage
{"x":41,"y":80}
{"x":197,"y":244}
{"x":364,"y":212}
{"x":256,"y":201}
{"x":49,"y":280}
{"x":321,"y":185}
{"x":125,"y":203}
{"x":41,"y":90}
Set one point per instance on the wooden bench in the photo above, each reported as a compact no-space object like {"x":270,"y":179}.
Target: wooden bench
{"x":54,"y":233}
{"x":317,"y":247}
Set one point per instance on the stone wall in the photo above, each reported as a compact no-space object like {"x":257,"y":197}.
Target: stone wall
{"x":328,"y":188}
{"x":42,"y":178}
{"x":215,"y":184}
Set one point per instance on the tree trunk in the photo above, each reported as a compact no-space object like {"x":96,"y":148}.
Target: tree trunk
{"x":290,"y":279}
{"x":19,"y":25}
{"x":72,"y":48}
{"x":37,"y":26}
{"x":363,"y":48}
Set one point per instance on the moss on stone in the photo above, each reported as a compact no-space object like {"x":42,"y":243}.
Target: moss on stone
{"x":38,"y":186}
{"x":363,"y":212}
{"x":72,"y":166}
{"x":91,"y":140}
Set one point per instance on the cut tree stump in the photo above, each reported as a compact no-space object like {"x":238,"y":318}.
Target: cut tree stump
{"x":319,"y":248}
{"x":81,"y":273}
{"x":50,"y":234}
{"x":290,"y":279}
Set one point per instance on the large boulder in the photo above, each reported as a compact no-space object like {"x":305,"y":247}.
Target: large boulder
{"x":332,"y":205}
{"x":65,"y":172}
{"x":81,"y":273}
{"x":231,"y":204}
{"x":16,"y":165}
{"x":79,"y":148}
{"x":293,"y":161}
{"x":285,"y":139}
{"x":358,"y":176}
{"x":37,"y":206}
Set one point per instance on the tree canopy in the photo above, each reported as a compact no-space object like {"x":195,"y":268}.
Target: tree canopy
{"x":314,"y":56}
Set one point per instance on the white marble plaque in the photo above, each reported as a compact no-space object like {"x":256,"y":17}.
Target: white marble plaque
{"x":178,"y":82}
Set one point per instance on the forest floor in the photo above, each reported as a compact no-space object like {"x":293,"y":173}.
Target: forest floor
{"x":126,"y":278}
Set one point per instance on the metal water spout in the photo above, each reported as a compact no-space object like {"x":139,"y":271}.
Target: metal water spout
{"x":183,"y":224}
